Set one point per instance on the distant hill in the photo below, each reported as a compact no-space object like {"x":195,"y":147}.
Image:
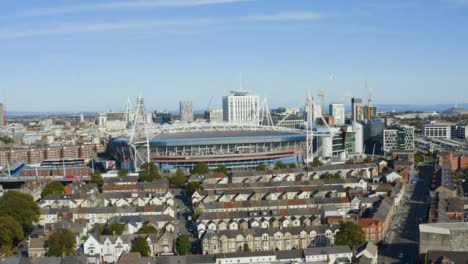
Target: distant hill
{"x":419,"y":108}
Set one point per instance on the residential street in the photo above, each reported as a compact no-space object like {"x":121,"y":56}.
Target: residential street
{"x":401,"y":243}
{"x":184,"y":226}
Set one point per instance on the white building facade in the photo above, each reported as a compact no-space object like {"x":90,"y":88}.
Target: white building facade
{"x":337,"y":111}
{"x":241,"y":108}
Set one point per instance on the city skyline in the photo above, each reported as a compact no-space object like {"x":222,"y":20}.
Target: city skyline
{"x":77,"y":55}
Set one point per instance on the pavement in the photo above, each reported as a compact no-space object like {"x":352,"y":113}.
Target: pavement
{"x":401,"y":243}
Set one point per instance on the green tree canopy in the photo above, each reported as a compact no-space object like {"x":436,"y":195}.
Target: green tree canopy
{"x":179,"y":179}
{"x":96,"y":178}
{"x":200,"y":168}
{"x":293,"y":166}
{"x":148,"y":172}
{"x":54,"y":187}
{"x":141,"y":245}
{"x":7,"y":139}
{"x":246,"y":247}
{"x":350,"y":234}
{"x":316,"y":163}
{"x":367,"y":160}
{"x":147,"y":229}
{"x":21,"y":207}
{"x":11,"y":232}
{"x":183,"y":244}
{"x":280,"y":165}
{"x":123,"y":173}
{"x":192,"y":187}
{"x":261,"y":167}
{"x":222,"y":169}
{"x":114,"y":229}
{"x":62,"y":243}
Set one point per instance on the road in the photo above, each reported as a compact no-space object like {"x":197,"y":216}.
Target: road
{"x":183,"y":225}
{"x":401,"y":243}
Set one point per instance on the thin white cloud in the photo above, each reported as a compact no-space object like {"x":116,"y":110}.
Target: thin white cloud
{"x":125,"y":5}
{"x":165,"y":25}
{"x":286,"y":16}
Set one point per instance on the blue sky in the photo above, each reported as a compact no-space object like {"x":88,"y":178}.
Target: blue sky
{"x":71,"y":55}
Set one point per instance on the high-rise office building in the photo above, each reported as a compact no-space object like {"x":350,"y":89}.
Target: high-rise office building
{"x":373,"y":135}
{"x":337,"y":111}
{"x":370,"y":112}
{"x":357,"y":109}
{"x":186,"y":111}
{"x":398,"y":138}
{"x":241,"y":108}
{"x":214,"y":115}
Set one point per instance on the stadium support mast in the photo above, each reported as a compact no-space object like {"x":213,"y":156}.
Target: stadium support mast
{"x":310,"y":104}
{"x":139,"y":139}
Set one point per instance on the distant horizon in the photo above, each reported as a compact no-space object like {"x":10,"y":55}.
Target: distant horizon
{"x":387,"y":108}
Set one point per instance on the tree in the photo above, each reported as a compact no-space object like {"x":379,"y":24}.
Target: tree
{"x":147,"y":229}
{"x":316,"y":163}
{"x":350,"y":234}
{"x":96,"y":178}
{"x":123,"y":173}
{"x":114,"y":229}
{"x":246,"y":247}
{"x":182,"y":244}
{"x":293,"y":166}
{"x":350,"y":161}
{"x":54,"y":187}
{"x":6,"y":139}
{"x":192,"y":187}
{"x":261,"y":167}
{"x":280,"y":165}
{"x":179,"y":179}
{"x":200,"y":168}
{"x":367,"y":160}
{"x":62,"y":243}
{"x":141,"y":246}
{"x":11,"y":232}
{"x":222,"y":169}
{"x":21,"y":207}
{"x":148,"y":172}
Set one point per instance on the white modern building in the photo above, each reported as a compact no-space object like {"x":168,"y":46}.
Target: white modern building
{"x":241,"y":108}
{"x":437,"y":130}
{"x":186,"y":111}
{"x":337,"y":111}
{"x":398,"y":138}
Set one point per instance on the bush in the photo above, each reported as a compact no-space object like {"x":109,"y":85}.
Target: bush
{"x":53,"y":188}
{"x":182,"y":244}
{"x":222,"y":169}
{"x":280,"y":165}
{"x":200,"y":168}
{"x":114,"y":229}
{"x":261,"y":167}
{"x":141,"y":246}
{"x":123,"y":172}
{"x":147,"y":229}
{"x":148,"y":172}
{"x":350,"y":234}
{"x":62,"y":243}
{"x":192,"y":187}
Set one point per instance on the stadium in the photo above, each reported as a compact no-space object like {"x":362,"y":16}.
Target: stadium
{"x":233,"y":145}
